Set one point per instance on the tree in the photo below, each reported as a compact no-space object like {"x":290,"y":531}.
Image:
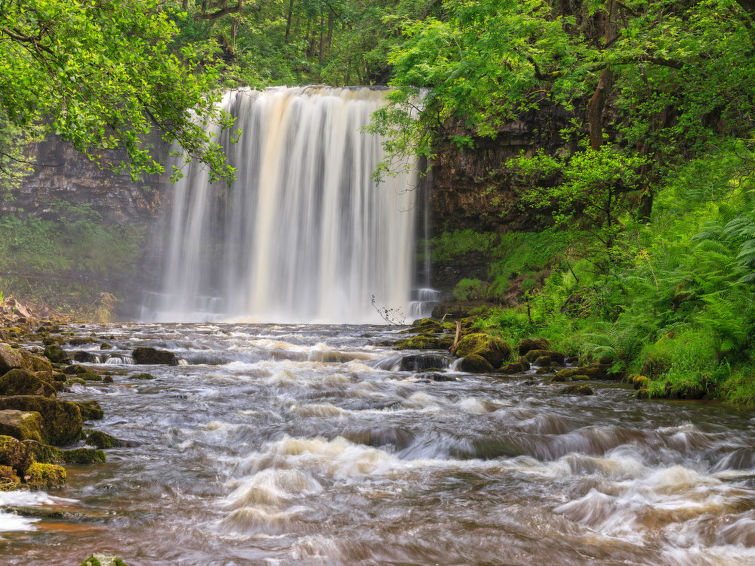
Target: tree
{"x":102,"y":74}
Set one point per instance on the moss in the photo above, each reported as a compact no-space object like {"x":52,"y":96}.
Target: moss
{"x":84,"y":456}
{"x":527,"y":344}
{"x":90,"y":410}
{"x":515,"y":367}
{"x":44,"y":453}
{"x":475,"y":364}
{"x":15,"y":454}
{"x":21,"y":382}
{"x":494,"y":350}
{"x":423,"y":342}
{"x":638,"y":381}
{"x":9,"y":480}
{"x":45,"y":476}
{"x":551,"y":355}
{"x":576,"y":389}
{"x":62,"y":419}
{"x":153,"y":356}
{"x":23,"y":425}
{"x":143,"y":376}
{"x":56,"y":354}
{"x":593,"y":371}
{"x":101,"y":440}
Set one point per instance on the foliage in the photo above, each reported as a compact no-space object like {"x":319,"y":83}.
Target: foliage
{"x":102,"y":75}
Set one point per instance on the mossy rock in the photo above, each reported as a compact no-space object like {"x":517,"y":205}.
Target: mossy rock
{"x":494,"y":350}
{"x":515,"y":367}
{"x":10,"y":358}
{"x":143,"y":376}
{"x":35,"y":363}
{"x":81,"y":340}
{"x":528,"y":344}
{"x":21,"y":382}
{"x":89,"y":376}
{"x":552,"y":356}
{"x":593,"y":371}
{"x":22,"y":425}
{"x":474,"y":363}
{"x":84,"y":456}
{"x":638,"y":381}
{"x":425,"y":326}
{"x":423,"y":342}
{"x":103,"y":560}
{"x":101,"y":440}
{"x":15,"y":454}
{"x":107,"y":379}
{"x":45,"y":476}
{"x":9,"y":480}
{"x":61,"y":419}
{"x":90,"y":410}
{"x":144,"y":356}
{"x":76,"y":369}
{"x":577,"y":389}
{"x":56,"y":354}
{"x":85,"y":357}
{"x":44,"y":453}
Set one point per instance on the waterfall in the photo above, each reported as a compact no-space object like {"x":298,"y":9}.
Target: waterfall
{"x":304,"y":234}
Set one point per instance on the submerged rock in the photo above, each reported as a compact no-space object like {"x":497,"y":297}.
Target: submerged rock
{"x":494,"y":350}
{"x":61,"y":419}
{"x":23,"y":425}
{"x":143,"y":376}
{"x":422,"y":362}
{"x":143,"y":356}
{"x":21,"y":382}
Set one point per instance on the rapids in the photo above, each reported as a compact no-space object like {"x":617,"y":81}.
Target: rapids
{"x":304,"y":444}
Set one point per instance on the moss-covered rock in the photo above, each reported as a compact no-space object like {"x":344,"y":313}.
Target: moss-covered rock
{"x":81,"y":340}
{"x":426,"y":326}
{"x":423,"y":362}
{"x":515,"y":367}
{"x":144,"y":356}
{"x":23,"y":425}
{"x":593,"y":371}
{"x":143,"y":376}
{"x":36,"y":363}
{"x":577,"y":389}
{"x":101,"y":440}
{"x":474,"y":363}
{"x":21,"y":382}
{"x":10,"y":358}
{"x":103,"y":560}
{"x":61,"y":419}
{"x":85,"y":357}
{"x":9,"y":480}
{"x":15,"y":454}
{"x":638,"y":381}
{"x":494,"y":350}
{"x":551,"y":355}
{"x":56,"y":354}
{"x":44,"y":476}
{"x":83,"y":456}
{"x":44,"y":453}
{"x":90,"y":410}
{"x":527,"y":344}
{"x":423,"y":342}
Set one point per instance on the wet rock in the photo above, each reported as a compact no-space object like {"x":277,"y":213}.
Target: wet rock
{"x":90,"y":410}
{"x":143,"y":376}
{"x":105,"y":346}
{"x":23,"y":425}
{"x":21,"y":382}
{"x":515,"y":367}
{"x":426,"y":326}
{"x":61,"y":419}
{"x":528,"y":344}
{"x":552,"y":356}
{"x":75,"y":369}
{"x":440,"y":377}
{"x":36,"y":364}
{"x":81,"y":340}
{"x":423,"y":342}
{"x":422,"y":362}
{"x":542,"y":371}
{"x":9,"y":358}
{"x":107,"y":379}
{"x":577,"y":389}
{"x":15,"y":454}
{"x":85,"y":357}
{"x":494,"y":350}
{"x":9,"y":480}
{"x":593,"y":371}
{"x":56,"y":354}
{"x":474,"y":363}
{"x":103,"y":560}
{"x":45,"y":476}
{"x":102,"y":440}
{"x":44,"y":453}
{"x":84,"y":456}
{"x":143,"y":356}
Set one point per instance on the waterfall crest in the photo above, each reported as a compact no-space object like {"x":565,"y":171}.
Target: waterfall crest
{"x":304,"y":234}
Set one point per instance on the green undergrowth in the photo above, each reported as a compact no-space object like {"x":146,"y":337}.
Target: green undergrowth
{"x":679,"y":308}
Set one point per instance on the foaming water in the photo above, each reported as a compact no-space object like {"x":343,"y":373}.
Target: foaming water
{"x":296,"y":444}
{"x":304,"y":233}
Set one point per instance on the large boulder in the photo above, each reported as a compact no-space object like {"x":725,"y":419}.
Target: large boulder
{"x":56,"y":354}
{"x":545,"y":357}
{"x":154,"y":356}
{"x":36,"y":364}
{"x":23,"y":425}
{"x":494,"y":350}
{"x":61,"y":419}
{"x":10,"y":358}
{"x":21,"y":382}
{"x":527,"y":344}
{"x":475,"y":364}
{"x":15,"y":454}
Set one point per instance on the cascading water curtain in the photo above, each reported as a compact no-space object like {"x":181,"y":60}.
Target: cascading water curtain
{"x":304,"y":234}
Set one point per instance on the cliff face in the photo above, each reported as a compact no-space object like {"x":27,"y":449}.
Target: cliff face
{"x":62,"y":174}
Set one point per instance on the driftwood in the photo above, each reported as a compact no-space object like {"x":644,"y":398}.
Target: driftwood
{"x":452,"y":349}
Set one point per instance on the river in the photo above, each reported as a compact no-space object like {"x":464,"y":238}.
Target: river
{"x":305,"y":444}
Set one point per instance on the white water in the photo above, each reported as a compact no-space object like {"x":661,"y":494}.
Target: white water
{"x":304,"y":234}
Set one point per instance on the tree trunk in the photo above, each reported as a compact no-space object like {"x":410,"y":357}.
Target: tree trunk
{"x":288,"y":19}
{"x":598,"y":99}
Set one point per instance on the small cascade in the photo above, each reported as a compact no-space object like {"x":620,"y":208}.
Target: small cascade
{"x":422,"y":303}
{"x":304,"y":234}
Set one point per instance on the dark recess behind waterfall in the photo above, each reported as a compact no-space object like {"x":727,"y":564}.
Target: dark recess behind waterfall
{"x":468,"y":189}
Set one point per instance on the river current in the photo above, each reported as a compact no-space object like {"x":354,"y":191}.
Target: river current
{"x":303,"y":444}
